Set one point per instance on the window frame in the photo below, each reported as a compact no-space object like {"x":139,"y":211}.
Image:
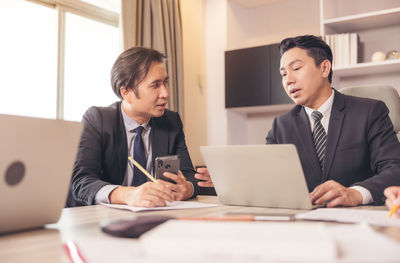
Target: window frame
{"x":79,"y":8}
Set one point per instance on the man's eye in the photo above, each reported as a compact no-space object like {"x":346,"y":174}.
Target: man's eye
{"x":155,"y":85}
{"x":295,"y":69}
{"x":283,"y":74}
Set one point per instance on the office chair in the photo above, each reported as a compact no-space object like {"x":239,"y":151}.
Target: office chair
{"x":387,"y":94}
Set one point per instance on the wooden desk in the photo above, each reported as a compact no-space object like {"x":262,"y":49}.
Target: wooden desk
{"x":82,"y":224}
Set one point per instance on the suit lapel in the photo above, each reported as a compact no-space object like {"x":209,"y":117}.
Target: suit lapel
{"x":305,"y":137}
{"x":334,"y":130}
{"x":121,"y":145}
{"x":159,"y":138}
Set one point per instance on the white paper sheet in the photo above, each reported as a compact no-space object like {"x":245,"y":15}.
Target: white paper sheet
{"x":374,"y":217}
{"x":360,"y":243}
{"x":170,"y":206}
{"x":241,"y":241}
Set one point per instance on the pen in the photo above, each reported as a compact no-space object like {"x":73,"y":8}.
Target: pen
{"x":394,"y":208}
{"x":73,"y":252}
{"x":142,"y":169}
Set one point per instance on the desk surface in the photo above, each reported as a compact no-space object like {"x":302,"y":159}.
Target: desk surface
{"x":82,"y":224}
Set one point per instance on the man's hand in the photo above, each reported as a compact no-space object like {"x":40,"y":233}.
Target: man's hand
{"x":333,"y":194}
{"x":183,"y":189}
{"x":392,"y":198}
{"x":147,"y":195}
{"x":203,"y":174}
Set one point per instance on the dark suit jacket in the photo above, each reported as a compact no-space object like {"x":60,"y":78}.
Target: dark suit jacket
{"x":362,"y":148}
{"x":103,"y":151}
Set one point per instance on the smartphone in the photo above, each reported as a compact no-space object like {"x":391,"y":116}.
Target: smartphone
{"x":167,"y":164}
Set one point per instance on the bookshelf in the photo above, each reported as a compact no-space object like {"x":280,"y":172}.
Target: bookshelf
{"x":381,"y":18}
{"x":378,"y":25}
{"x":366,"y":68}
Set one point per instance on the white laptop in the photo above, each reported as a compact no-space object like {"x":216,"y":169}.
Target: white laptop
{"x":258,"y":175}
{"x":36,"y":160}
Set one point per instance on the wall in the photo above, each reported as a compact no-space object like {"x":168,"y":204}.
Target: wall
{"x":216,"y":26}
{"x":270,"y":23}
{"x":194,"y":77}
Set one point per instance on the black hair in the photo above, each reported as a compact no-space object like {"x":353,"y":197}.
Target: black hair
{"x":131,"y":68}
{"x":315,"y":47}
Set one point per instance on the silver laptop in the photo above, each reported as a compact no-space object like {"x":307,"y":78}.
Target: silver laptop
{"x":258,"y":175}
{"x":36,"y":160}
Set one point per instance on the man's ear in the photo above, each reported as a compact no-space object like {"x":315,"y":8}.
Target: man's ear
{"x":124,"y":92}
{"x":325,"y":68}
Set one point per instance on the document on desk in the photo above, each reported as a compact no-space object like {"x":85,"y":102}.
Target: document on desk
{"x":241,"y":241}
{"x":170,"y":206}
{"x":345,"y":215}
{"x":361,"y":243}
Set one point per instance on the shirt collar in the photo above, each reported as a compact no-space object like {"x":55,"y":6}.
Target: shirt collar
{"x":131,"y":124}
{"x":325,"y":108}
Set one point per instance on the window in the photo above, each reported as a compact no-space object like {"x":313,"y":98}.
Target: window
{"x":112,"y":5}
{"x":90,"y":50}
{"x":56,"y":56}
{"x":28,"y":64}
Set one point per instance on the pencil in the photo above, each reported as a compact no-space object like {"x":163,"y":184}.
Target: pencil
{"x":223,"y":218}
{"x":393,"y":210}
{"x":142,"y":169}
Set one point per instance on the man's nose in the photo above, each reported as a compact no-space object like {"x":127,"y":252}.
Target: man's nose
{"x":164,"y":93}
{"x":289,"y":79}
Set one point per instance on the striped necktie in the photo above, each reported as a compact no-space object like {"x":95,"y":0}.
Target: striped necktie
{"x":319,"y":136}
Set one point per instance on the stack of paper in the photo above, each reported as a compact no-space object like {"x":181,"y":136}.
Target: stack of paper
{"x":170,"y":206}
{"x":244,"y":241}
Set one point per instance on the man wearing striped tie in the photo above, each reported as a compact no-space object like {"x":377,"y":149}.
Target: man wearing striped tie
{"x":347,"y":146}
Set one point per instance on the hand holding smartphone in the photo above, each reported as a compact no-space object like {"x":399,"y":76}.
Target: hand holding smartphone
{"x":167,"y":164}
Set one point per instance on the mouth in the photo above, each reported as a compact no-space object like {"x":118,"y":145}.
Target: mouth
{"x":161,"y":106}
{"x":294,"y":92}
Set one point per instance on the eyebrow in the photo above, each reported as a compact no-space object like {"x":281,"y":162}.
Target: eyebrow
{"x":291,"y":63}
{"x":158,"y":80}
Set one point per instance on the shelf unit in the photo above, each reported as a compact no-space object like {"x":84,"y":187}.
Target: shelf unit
{"x":378,"y":25}
{"x":366,"y":68}
{"x":381,"y":18}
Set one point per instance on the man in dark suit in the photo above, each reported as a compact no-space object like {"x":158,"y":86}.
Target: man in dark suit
{"x":347,"y":146}
{"x":140,"y":126}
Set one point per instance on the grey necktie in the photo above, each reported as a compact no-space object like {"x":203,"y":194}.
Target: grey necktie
{"x":319,"y":136}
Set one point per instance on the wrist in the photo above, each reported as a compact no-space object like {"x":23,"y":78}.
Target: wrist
{"x":357,"y":197}
{"x":119,"y":195}
{"x":190,"y":190}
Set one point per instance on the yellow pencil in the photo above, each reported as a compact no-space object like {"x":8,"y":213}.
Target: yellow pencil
{"x":393,"y":210}
{"x":141,"y":169}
